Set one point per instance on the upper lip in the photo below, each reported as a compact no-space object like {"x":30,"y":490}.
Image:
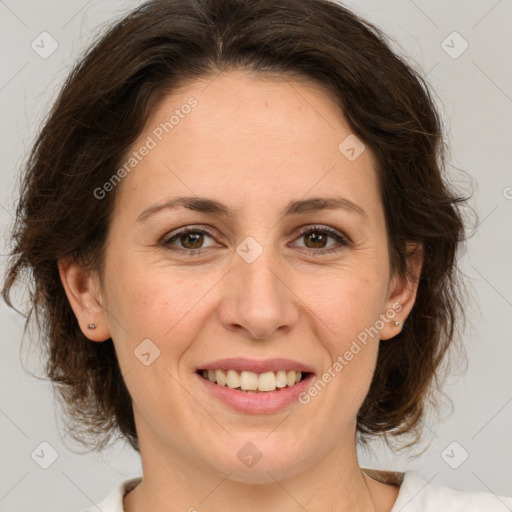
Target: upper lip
{"x":256,"y":366}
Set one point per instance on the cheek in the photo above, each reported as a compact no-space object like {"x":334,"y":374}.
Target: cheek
{"x":345,"y":303}
{"x":346,"y":311}
{"x":158,"y":303}
{"x":167,"y":310}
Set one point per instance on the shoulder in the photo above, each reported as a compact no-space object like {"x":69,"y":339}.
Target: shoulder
{"x":114,"y":501}
{"x":418,"y":495}
{"x":415,"y":495}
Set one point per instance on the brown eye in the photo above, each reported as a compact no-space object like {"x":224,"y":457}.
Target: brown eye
{"x":191,"y":240}
{"x":317,"y":239}
{"x":188,"y":240}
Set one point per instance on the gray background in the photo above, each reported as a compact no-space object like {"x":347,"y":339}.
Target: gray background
{"x":475,"y":92}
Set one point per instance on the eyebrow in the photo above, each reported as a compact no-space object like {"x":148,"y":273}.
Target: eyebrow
{"x":213,"y":207}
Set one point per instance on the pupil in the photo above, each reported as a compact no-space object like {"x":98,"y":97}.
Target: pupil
{"x":317,"y":240}
{"x":194,"y":238}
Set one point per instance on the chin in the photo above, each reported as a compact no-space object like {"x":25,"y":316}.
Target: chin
{"x":257,"y":460}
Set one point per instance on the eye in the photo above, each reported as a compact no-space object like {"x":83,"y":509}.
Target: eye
{"x":191,"y":240}
{"x":316,"y":237}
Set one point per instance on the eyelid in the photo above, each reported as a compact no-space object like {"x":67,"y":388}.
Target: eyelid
{"x":321,"y":227}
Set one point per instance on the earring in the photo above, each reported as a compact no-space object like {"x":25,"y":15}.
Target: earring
{"x":91,"y":326}
{"x":398,"y":324}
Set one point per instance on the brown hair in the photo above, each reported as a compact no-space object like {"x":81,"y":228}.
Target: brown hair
{"x":105,"y":103}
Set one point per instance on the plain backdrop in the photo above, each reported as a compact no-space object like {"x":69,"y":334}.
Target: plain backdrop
{"x":463,"y":47}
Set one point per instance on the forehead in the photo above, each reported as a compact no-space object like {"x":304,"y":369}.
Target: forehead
{"x":244,"y":137}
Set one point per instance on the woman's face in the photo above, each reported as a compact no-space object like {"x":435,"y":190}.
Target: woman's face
{"x":253,"y":285}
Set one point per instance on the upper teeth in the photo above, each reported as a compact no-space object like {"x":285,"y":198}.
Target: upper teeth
{"x":250,"y":381}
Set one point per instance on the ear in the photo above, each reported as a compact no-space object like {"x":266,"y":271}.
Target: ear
{"x":402,"y":292}
{"x":84,"y":294}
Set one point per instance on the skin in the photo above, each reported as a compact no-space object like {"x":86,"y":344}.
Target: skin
{"x":249,"y":142}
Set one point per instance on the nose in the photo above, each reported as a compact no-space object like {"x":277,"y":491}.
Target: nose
{"x":259,"y":299}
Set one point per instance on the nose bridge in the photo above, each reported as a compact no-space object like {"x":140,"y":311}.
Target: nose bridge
{"x":259,"y":278}
{"x":257,"y":297}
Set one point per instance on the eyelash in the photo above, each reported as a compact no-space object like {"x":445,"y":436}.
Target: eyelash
{"x":166,"y":243}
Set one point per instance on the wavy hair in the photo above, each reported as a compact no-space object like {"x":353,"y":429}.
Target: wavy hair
{"x":104,"y":105}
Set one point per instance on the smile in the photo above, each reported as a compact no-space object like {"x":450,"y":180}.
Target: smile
{"x":253,"y":382}
{"x":254,"y":393}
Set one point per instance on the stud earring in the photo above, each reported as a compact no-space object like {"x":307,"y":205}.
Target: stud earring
{"x":91,"y":326}
{"x":398,"y":324}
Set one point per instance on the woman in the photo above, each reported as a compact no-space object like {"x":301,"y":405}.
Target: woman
{"x":243,"y":252}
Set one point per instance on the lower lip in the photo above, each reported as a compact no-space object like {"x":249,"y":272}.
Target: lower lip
{"x":257,"y":403}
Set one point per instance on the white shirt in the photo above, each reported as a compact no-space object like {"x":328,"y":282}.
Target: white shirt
{"x":415,"y":495}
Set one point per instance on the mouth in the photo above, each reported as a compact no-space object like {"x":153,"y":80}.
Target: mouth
{"x":255,"y":386}
{"x":254,"y":383}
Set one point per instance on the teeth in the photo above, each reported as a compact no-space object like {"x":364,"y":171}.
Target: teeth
{"x":250,"y":381}
{"x":267,"y":381}
{"x":220,"y":377}
{"x":281,"y":379}
{"x":233,"y":379}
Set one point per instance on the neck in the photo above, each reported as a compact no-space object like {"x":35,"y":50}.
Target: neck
{"x":174,"y":481}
